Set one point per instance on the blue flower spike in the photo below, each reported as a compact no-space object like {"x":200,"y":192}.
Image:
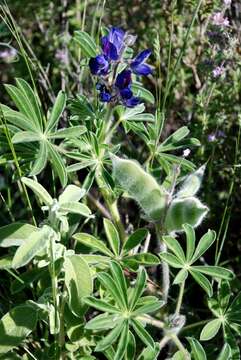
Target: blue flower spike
{"x":117,"y":88}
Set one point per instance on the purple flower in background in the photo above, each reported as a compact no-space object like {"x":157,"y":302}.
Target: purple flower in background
{"x":211,"y":137}
{"x":218,"y":19}
{"x":8,"y":53}
{"x":112,"y":44}
{"x":227,"y":2}
{"x":138,"y":65}
{"x":218,"y":71}
{"x":99,"y":65}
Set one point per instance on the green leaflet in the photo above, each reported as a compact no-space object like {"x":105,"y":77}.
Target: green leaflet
{"x":15,"y":234}
{"x":86,"y":43}
{"x":78,"y":281}
{"x":15,"y":326}
{"x":34,"y":244}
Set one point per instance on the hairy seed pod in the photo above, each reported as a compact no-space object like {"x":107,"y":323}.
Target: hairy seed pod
{"x":141,"y":186}
{"x":191,"y":184}
{"x":188,"y":210}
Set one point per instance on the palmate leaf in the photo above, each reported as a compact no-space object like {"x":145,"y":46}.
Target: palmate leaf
{"x":29,"y":121}
{"x":149,"y":353}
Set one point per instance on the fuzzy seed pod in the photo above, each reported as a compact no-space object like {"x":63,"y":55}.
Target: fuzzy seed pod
{"x":191,"y":184}
{"x":141,"y":186}
{"x":188,"y":210}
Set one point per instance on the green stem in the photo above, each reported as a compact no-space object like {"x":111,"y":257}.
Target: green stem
{"x":180,"y":298}
{"x":8,"y":136}
{"x":176,"y":66}
{"x":164,"y":265}
{"x":54,"y":284}
{"x":151,"y":321}
{"x":179,"y":345}
{"x":218,"y":250}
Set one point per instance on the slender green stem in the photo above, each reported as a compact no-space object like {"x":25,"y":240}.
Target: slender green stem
{"x":178,"y":61}
{"x":180,"y":298}
{"x":179,"y":345}
{"x":54,"y":284}
{"x":164,"y":265}
{"x":191,"y":326}
{"x":218,"y":250}
{"x":8,"y":136}
{"x":151,"y":321}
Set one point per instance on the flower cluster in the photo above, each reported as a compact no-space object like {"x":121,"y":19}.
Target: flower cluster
{"x":114,"y":70}
{"x":221,"y":43}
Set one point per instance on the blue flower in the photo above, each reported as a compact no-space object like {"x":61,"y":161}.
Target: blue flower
{"x":123,"y":84}
{"x":99,"y":65}
{"x":105,"y":95}
{"x":112,"y":44}
{"x":138,"y":65}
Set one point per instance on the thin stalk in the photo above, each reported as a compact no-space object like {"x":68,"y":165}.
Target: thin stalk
{"x":7,"y":134}
{"x":164,"y":265}
{"x":178,"y":61}
{"x":218,"y":250}
{"x":7,"y":207}
{"x":11,"y":24}
{"x":191,"y":326}
{"x":180,"y":298}
{"x":151,"y":321}
{"x":179,"y":345}
{"x":54,"y":284}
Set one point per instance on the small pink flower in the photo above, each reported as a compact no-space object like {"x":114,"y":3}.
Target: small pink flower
{"x":227,"y":2}
{"x":219,"y":20}
{"x":218,"y":71}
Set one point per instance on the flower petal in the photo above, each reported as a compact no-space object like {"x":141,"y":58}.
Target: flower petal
{"x":144,"y":55}
{"x":99,"y":65}
{"x":140,"y":69}
{"x":123,"y":79}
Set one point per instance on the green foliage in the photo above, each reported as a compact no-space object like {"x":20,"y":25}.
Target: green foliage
{"x":177,"y":259}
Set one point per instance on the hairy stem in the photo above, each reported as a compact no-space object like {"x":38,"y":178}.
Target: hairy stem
{"x":165,"y":267}
{"x":180,"y":298}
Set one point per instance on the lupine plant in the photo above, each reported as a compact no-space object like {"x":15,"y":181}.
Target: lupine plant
{"x":104,"y":270}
